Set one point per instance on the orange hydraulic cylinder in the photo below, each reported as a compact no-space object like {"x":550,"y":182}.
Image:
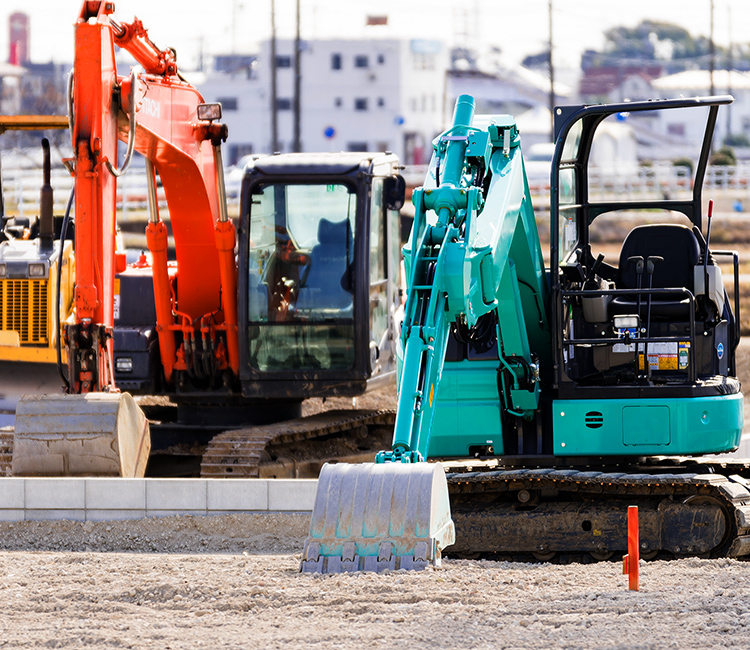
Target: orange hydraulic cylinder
{"x":156,"y":240}
{"x":631,"y":560}
{"x":225,"y":241}
{"x":133,"y":37}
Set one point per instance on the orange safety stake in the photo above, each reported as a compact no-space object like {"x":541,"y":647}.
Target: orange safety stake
{"x":630,"y":561}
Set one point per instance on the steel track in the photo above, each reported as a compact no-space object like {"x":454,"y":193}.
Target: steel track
{"x":686,"y":507}
{"x":239,"y":453}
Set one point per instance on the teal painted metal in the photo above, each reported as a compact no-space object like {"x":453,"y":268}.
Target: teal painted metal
{"x":474,"y":249}
{"x":468,"y":411}
{"x":645,"y":427}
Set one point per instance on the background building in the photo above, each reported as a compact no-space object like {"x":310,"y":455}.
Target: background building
{"x":356,"y":95}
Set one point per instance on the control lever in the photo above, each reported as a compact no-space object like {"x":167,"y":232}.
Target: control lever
{"x":706,"y":254}
{"x":594,"y":269}
{"x":639,"y":266}
{"x":651,"y":262}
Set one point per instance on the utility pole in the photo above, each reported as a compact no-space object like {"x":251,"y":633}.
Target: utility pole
{"x":552,"y":80}
{"x":274,"y":89}
{"x":297,"y":145}
{"x":234,"y":27}
{"x":712,"y":51}
{"x":730,"y":65}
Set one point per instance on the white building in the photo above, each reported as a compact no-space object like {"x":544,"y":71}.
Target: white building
{"x":10,"y":88}
{"x":689,"y":123}
{"x":503,"y":88}
{"x":356,"y":95}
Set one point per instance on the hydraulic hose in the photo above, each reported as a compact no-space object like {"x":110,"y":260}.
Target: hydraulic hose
{"x":63,"y":235}
{"x":131,"y":129}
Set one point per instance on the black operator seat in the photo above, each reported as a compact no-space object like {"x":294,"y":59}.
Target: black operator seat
{"x":679,"y":248}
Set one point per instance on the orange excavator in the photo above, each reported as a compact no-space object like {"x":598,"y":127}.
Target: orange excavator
{"x":231,"y":332}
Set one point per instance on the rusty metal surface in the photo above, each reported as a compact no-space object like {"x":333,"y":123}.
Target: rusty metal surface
{"x":239,"y":453}
{"x":377,"y":517}
{"x":32,"y":122}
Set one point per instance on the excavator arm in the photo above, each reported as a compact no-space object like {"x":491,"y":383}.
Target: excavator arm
{"x":163,"y":117}
{"x":473,"y":259}
{"x":94,"y":429}
{"x":474,"y":253}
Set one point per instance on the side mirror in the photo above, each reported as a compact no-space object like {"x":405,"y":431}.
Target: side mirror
{"x":394,"y":192}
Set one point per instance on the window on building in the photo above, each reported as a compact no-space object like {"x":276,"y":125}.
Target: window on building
{"x":283,"y":61}
{"x":356,"y":146}
{"x":335,"y":61}
{"x":424,"y":61}
{"x":228,"y":103}
{"x":338,"y":102}
{"x":676,"y":129}
{"x":283,"y":104}
{"x":381,"y":102}
{"x":381,"y":59}
{"x":361,"y":61}
{"x":360,"y":104}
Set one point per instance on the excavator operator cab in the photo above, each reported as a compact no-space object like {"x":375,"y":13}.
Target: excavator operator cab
{"x":652,"y":316}
{"x":318,"y":273}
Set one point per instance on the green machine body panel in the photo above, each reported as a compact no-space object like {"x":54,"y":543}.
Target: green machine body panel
{"x":647,"y":427}
{"x":467,"y":402}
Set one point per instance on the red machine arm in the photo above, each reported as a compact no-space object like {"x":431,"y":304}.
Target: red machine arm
{"x":185,"y":152}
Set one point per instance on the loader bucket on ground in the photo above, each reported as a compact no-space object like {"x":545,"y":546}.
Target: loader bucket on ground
{"x":372,"y":517}
{"x":97,"y":434}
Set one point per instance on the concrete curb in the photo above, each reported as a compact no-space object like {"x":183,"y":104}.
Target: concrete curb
{"x":111,"y":499}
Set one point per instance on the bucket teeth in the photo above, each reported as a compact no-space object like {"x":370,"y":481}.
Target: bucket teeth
{"x":373,"y":517}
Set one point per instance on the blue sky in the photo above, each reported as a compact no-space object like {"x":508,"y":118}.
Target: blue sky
{"x":518,"y":27}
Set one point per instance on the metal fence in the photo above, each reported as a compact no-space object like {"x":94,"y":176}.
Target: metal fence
{"x":21,"y":187}
{"x":21,"y":191}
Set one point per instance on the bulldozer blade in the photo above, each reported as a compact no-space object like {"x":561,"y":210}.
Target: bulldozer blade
{"x":373,"y":517}
{"x":97,"y":434}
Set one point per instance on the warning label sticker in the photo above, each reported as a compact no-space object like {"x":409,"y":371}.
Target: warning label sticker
{"x":661,"y":356}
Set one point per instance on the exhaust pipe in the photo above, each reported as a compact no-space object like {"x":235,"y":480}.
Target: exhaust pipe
{"x":46,"y":216}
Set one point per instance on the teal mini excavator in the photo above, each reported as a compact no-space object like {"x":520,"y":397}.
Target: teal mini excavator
{"x":554,"y":397}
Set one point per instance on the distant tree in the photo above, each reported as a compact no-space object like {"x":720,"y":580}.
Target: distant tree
{"x":724,"y":156}
{"x":653,"y":41}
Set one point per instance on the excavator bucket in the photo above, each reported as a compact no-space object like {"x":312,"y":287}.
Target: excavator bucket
{"x":372,"y":517}
{"x":97,"y":434}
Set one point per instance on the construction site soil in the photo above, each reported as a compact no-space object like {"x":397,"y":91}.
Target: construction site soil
{"x":232,"y":581}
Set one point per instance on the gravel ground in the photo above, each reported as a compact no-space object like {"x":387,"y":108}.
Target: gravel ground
{"x":232,"y":581}
{"x":248,"y":600}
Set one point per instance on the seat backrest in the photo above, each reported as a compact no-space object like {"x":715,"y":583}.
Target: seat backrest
{"x":675,"y":243}
{"x":328,"y":281}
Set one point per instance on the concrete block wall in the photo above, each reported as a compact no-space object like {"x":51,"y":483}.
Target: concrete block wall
{"x":108,"y":499}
